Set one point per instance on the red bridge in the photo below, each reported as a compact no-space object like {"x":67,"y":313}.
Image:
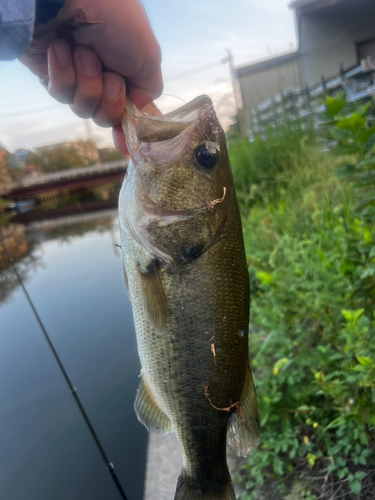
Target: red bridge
{"x":69,"y":180}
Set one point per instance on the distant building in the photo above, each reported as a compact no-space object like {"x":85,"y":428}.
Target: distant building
{"x":332,"y":35}
{"x":32,"y":171}
{"x":264,"y":79}
{"x":3,"y":152}
{"x":18,"y":159}
{"x":22,"y":155}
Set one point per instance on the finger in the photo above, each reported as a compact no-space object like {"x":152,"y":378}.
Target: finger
{"x":89,"y":82}
{"x":119,"y":139}
{"x":35,"y":57}
{"x":139,"y":96}
{"x":62,"y":77}
{"x":112,"y":103}
{"x":143,"y":90}
{"x":136,"y":54}
{"x":37,"y":65}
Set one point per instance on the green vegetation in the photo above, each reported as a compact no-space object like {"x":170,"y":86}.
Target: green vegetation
{"x":5,"y":219}
{"x":258,"y":167}
{"x":310,"y":241}
{"x":64,"y":156}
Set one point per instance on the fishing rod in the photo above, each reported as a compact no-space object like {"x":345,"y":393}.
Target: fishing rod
{"x":73,"y":389}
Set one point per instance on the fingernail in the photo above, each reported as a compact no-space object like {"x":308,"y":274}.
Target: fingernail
{"x":62,"y":53}
{"x":89,"y":61}
{"x":112,"y":88}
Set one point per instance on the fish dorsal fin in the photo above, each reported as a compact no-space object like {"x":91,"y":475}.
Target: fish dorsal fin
{"x":153,"y":298}
{"x":148,"y":411}
{"x":243,"y":425}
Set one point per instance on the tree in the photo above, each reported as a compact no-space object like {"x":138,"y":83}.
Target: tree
{"x":65,"y":156}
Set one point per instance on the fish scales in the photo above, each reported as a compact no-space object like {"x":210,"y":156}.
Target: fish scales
{"x":187,"y":279}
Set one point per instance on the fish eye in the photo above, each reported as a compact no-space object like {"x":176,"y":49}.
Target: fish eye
{"x":206,"y":155}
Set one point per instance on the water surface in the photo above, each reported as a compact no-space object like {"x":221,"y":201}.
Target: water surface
{"x":72,"y":270}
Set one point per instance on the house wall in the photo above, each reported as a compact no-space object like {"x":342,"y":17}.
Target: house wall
{"x":328,"y":38}
{"x":258,"y":87}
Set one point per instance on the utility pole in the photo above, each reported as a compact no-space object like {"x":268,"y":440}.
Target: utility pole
{"x":239,"y":110}
{"x":88,"y":130}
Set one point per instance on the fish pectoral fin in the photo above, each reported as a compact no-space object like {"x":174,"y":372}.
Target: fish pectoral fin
{"x":148,"y":411}
{"x":243,"y":425}
{"x":153,"y":298}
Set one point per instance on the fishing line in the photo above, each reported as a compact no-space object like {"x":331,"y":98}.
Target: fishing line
{"x":176,"y":96}
{"x":193,"y":71}
{"x":109,"y":464}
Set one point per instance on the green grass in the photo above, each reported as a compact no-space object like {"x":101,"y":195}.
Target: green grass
{"x":312,"y":338}
{"x":260,"y":167}
{"x":5,"y":219}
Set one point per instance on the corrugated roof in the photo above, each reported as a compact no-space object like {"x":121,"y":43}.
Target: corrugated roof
{"x":269,"y":63}
{"x":306,"y":5}
{"x":300,"y":3}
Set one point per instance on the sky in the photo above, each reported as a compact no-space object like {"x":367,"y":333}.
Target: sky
{"x":193,"y":36}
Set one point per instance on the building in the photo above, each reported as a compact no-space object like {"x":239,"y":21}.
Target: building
{"x":264,"y":79}
{"x":332,"y":35}
{"x":17,"y":160}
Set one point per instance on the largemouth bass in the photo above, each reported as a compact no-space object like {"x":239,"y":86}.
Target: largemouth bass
{"x":187,"y":279}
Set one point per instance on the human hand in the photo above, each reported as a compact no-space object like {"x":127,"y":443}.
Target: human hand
{"x":88,"y":49}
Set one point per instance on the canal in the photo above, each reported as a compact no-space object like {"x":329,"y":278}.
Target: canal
{"x":72,"y":270}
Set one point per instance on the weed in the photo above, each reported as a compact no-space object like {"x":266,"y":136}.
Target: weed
{"x":312,"y":330}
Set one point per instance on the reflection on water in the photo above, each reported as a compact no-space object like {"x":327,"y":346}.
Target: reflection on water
{"x":14,"y":241}
{"x":14,"y":245}
{"x":72,"y":270}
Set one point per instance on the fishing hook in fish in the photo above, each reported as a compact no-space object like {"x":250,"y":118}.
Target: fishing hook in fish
{"x":210,"y":205}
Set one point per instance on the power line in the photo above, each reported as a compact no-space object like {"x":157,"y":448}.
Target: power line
{"x":195,"y":70}
{"x":10,"y":114}
{"x":86,"y":418}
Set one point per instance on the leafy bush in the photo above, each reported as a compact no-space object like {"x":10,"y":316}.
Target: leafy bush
{"x":357,"y":138}
{"x":312,"y":338}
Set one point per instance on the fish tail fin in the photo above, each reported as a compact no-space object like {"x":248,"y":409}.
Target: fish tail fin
{"x":189,"y":490}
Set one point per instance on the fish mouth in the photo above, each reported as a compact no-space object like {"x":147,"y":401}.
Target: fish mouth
{"x":157,"y":142}
{"x":141,"y":127}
